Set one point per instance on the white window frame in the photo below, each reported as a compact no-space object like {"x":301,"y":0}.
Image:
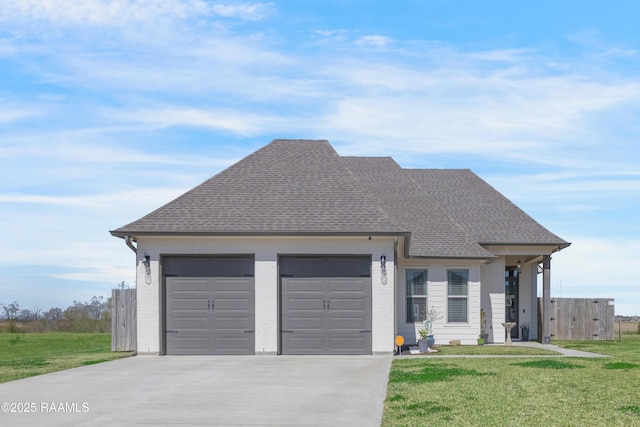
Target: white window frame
{"x":407,"y":296}
{"x":456,"y":296}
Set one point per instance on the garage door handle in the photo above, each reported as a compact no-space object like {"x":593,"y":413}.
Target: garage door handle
{"x":287,"y":331}
{"x":249,"y":331}
{"x":366,"y":331}
{"x":171,"y":331}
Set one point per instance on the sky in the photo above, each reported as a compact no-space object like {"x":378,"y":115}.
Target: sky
{"x":111,"y":108}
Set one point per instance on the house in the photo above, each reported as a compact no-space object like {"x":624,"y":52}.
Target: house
{"x":298,"y":250}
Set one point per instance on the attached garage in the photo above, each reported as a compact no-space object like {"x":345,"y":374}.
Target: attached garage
{"x":209,"y":305}
{"x":325,"y":305}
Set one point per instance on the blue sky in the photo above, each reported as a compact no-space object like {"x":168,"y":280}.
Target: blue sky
{"x":111,"y":108}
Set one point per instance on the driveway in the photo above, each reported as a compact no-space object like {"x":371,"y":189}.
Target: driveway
{"x":204,"y":390}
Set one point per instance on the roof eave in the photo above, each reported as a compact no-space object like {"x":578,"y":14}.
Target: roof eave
{"x":559,"y":245}
{"x":462,"y":258}
{"x":134,"y":234}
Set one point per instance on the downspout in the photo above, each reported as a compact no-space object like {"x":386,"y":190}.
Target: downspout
{"x":395,"y":289}
{"x":127,"y":240}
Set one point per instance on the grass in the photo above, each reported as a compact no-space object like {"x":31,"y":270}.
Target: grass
{"x":533,"y":391}
{"x":492,"y":350}
{"x":25,"y":355}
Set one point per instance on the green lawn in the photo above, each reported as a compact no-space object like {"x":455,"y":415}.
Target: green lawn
{"x":532,"y":391}
{"x":25,"y":355}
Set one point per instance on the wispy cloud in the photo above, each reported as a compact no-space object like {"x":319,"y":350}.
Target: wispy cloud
{"x":118,"y":13}
{"x":374,"y":40}
{"x":235,"y":122}
{"x":14,"y":114}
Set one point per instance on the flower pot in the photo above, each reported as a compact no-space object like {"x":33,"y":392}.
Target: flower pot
{"x":430,"y":341}
{"x":525,"y":334}
{"x":423,"y":346}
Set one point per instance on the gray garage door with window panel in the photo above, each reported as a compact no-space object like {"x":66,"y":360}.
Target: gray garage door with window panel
{"x":325,"y":305}
{"x":210,"y":305}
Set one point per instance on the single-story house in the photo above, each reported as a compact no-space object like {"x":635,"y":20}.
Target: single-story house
{"x":298,"y":250}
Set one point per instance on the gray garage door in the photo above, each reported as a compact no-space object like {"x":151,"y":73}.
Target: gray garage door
{"x":325,"y":305}
{"x":210,"y":305}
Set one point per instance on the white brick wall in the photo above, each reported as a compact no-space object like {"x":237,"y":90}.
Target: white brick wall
{"x":266,"y":250}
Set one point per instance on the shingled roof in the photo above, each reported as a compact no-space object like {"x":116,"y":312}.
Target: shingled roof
{"x":303,"y":187}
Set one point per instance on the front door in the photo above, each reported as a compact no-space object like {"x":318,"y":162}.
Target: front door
{"x":511,"y":298}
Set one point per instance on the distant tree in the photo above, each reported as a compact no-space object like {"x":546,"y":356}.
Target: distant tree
{"x":26,"y":315}
{"x":11,"y":313}
{"x":37,"y":313}
{"x":11,"y":310}
{"x":54,"y":314}
{"x":122,"y":285}
{"x":96,"y":307}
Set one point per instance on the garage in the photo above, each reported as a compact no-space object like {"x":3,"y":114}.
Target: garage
{"x":325,"y":305}
{"x":209,"y":305}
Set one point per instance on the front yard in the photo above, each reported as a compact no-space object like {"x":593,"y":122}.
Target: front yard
{"x":26,"y":355}
{"x":533,"y":391}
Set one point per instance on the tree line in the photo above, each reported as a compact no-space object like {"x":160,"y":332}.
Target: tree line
{"x":89,"y":316}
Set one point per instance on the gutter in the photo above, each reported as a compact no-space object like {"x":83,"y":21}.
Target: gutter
{"x":129,"y":242}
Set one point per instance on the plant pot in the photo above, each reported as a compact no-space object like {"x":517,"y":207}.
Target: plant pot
{"x":525,"y":334}
{"x":423,"y":346}
{"x":430,"y":341}
{"x":485,"y":337}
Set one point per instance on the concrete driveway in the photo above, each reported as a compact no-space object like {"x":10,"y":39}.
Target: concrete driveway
{"x":204,"y":390}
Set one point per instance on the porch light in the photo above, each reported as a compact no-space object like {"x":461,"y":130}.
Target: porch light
{"x":519,"y":265}
{"x":146,"y":261}
{"x":383,"y":269}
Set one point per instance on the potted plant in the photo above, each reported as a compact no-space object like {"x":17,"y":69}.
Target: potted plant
{"x":423,"y":345}
{"x":427,"y":340}
{"x":525,"y":331}
{"x":483,"y":325}
{"x":480,"y":340}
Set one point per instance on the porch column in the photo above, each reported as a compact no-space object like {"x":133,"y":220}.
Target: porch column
{"x":546,"y":299}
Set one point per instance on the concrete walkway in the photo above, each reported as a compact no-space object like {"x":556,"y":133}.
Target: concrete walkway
{"x":204,"y":390}
{"x":562,"y":352}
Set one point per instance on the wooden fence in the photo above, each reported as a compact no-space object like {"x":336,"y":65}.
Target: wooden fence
{"x":123,"y":320}
{"x":581,"y":318}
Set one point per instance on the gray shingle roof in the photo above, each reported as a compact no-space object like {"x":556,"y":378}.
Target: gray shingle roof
{"x":305,"y":187}
{"x":288,"y":186}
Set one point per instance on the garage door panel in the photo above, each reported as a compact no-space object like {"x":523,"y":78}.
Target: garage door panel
{"x":353,"y":324}
{"x":231,"y":344}
{"x":190,"y":324}
{"x":308,"y":344}
{"x":305,"y":303}
{"x":209,"y":315}
{"x":326,"y":315}
{"x":309,"y":324}
{"x":191,"y":345}
{"x":348,"y":344}
{"x":305,"y":285}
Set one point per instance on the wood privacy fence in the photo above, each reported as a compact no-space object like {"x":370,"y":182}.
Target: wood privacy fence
{"x":123,"y":320}
{"x":581,"y":318}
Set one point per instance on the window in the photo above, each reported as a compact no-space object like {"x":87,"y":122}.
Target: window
{"x":416,"y":281}
{"x":457,"y":296}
